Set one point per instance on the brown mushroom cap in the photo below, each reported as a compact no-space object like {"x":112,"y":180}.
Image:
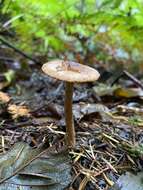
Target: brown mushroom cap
{"x":70,"y":71}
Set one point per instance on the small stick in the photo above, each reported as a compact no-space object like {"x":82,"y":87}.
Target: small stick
{"x":117,"y":78}
{"x":3,"y":143}
{"x":17,"y":50}
{"x":130,"y":76}
{"x":134,"y":79}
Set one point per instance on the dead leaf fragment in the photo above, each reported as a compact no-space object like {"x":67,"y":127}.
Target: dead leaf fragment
{"x":129,"y":181}
{"x":27,"y":168}
{"x":128,"y":92}
{"x":104,"y":89}
{"x":18,"y":111}
{"x":3,"y":84}
{"x":4,"y":98}
{"x":80,"y":110}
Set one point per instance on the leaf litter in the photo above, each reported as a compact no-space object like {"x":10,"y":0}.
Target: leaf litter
{"x":109,"y":133}
{"x":129,"y":181}
{"x":25,"y":168}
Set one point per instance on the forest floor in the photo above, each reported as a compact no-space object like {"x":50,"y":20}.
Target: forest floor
{"x":108,"y":122}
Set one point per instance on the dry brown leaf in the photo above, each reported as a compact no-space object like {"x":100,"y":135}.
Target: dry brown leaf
{"x":3,"y":85}
{"x":18,"y":111}
{"x":4,"y":98}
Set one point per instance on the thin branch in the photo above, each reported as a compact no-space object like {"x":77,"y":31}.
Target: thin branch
{"x":134,"y":79}
{"x":130,"y":76}
{"x":5,"y":42}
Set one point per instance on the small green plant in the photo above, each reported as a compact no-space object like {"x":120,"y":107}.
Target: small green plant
{"x":136,"y":120}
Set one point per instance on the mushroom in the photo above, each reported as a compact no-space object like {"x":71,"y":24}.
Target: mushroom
{"x":70,"y":72}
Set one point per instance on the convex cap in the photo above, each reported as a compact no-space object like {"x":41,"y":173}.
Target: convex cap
{"x":70,"y":71}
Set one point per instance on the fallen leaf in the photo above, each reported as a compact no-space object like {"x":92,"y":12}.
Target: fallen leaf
{"x":80,"y":110}
{"x":104,"y":89}
{"x":3,"y":85}
{"x":26,"y":168}
{"x":129,"y":181}
{"x":128,"y":92}
{"x":9,"y":75}
{"x":4,"y":98}
{"x":18,"y":111}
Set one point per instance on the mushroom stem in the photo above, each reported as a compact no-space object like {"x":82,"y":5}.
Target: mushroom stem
{"x":70,"y":131}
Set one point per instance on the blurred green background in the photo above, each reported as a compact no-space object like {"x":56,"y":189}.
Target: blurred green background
{"x":105,"y":32}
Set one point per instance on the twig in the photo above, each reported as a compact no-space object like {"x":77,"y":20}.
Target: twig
{"x":117,"y":78}
{"x":130,"y":76}
{"x":17,"y":50}
{"x":134,"y":79}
